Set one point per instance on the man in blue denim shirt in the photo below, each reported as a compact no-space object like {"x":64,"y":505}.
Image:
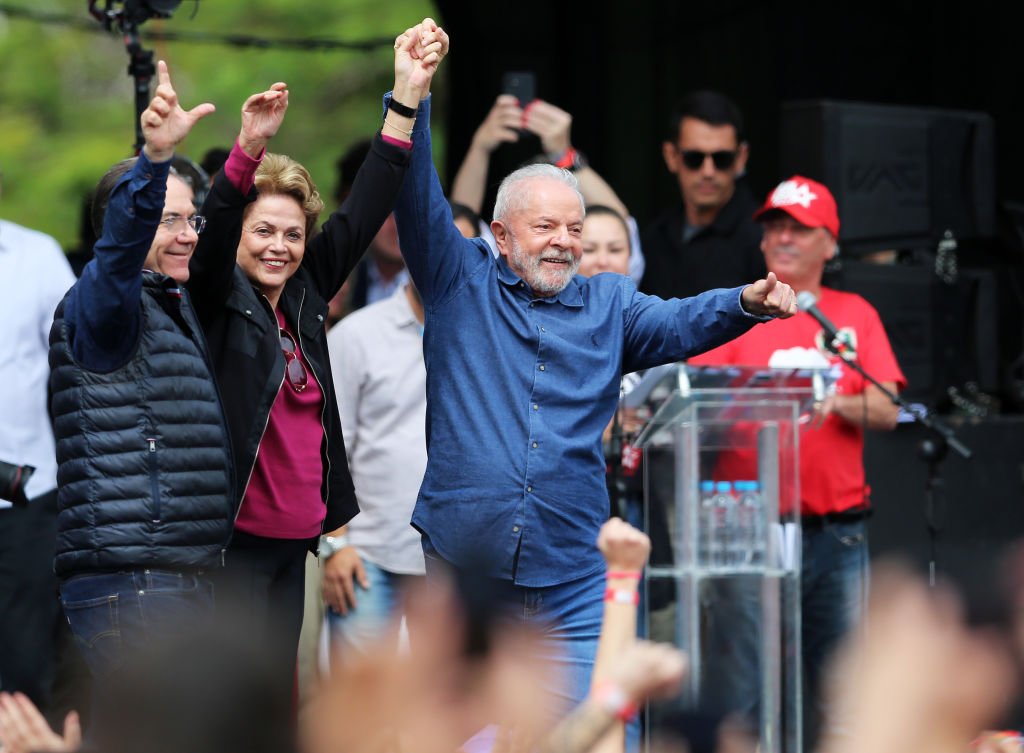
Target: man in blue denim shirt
{"x":524,"y":360}
{"x":144,"y":468}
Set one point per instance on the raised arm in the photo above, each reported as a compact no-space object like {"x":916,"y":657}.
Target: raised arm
{"x":553,"y":126}
{"x":103,"y":313}
{"x":333,"y":253}
{"x":627,"y":672}
{"x":625,"y":551}
{"x":501,"y":126}
{"x":213,"y":263}
{"x":434,"y":250}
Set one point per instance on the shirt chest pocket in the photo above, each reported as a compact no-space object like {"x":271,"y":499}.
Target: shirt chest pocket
{"x":247,"y":325}
{"x":314,"y":319}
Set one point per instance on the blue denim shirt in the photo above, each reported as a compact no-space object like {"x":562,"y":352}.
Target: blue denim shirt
{"x":102,"y":312}
{"x":520,"y":389}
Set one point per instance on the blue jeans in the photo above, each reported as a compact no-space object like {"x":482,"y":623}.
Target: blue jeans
{"x":375,"y":610}
{"x":117,"y":616}
{"x":568,"y":617}
{"x":834,"y":587}
{"x":114,"y":615}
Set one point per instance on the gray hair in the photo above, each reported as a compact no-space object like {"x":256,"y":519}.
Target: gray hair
{"x":512,"y":197}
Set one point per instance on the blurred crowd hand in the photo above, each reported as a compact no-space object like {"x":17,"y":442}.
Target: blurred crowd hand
{"x":998,"y":741}
{"x":624,"y":547}
{"x":24,"y":730}
{"x":429,"y":700}
{"x":551,"y":124}
{"x":647,"y":671}
{"x":918,"y":679}
{"x":501,"y":126}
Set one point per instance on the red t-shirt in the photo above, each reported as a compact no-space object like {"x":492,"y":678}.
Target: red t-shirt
{"x":831,"y":456}
{"x":283,"y":499}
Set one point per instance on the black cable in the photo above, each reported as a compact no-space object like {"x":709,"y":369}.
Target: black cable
{"x":303,"y":44}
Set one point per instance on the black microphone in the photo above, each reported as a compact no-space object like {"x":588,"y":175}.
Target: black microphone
{"x":834,"y":341}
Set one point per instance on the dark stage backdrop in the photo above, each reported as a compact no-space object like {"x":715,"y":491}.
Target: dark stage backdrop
{"x":982,"y":510}
{"x":617,"y":66}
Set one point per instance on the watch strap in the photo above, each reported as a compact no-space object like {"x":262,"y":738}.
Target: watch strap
{"x":404,"y":110}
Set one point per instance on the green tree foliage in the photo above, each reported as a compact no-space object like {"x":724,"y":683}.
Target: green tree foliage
{"x":67,"y":107}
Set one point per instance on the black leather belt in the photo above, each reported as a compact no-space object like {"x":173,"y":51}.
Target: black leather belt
{"x":817,"y":522}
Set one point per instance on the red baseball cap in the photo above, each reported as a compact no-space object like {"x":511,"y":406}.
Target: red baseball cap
{"x":806,"y":201}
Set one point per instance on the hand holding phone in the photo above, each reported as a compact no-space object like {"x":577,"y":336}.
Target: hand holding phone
{"x":520,"y":84}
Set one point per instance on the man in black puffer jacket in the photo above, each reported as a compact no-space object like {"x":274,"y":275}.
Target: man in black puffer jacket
{"x":145,"y":481}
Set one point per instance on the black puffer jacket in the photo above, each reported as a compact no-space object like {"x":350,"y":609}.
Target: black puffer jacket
{"x":144,"y":466}
{"x":242,"y":330}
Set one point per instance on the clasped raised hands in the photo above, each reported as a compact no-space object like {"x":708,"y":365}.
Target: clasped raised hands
{"x":418,"y":51}
{"x":165,"y":124}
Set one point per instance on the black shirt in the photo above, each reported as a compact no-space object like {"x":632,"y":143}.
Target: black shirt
{"x":724,"y":254}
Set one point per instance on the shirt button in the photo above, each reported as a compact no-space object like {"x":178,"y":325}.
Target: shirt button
{"x":536,"y":407}
{"x":542,"y":367}
{"x":535,"y":445}
{"x":248,"y":312}
{"x":515,"y":529}
{"x":529,"y":488}
{"x":543,"y":330}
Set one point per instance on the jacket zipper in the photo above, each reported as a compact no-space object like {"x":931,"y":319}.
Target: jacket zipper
{"x":248,"y":479}
{"x":154,"y":481}
{"x":323,"y":410}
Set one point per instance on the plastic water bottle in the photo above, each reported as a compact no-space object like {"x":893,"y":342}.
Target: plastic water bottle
{"x":706,"y":523}
{"x":725,"y":524}
{"x":750,"y":522}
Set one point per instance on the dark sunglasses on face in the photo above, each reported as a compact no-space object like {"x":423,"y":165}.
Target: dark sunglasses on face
{"x":694,"y":158}
{"x":293,"y":368}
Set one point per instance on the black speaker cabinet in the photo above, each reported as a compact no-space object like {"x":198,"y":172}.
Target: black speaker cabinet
{"x":901,"y":176}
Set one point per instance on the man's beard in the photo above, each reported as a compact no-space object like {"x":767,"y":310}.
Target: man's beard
{"x":540,"y":280}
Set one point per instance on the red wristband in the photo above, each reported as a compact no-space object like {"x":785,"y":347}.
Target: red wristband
{"x":630,"y":574}
{"x":622,"y":596}
{"x":612,"y":699}
{"x":567,"y":159}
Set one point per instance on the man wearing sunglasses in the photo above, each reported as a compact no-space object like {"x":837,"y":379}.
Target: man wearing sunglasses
{"x":709,"y":240}
{"x":144,"y":467}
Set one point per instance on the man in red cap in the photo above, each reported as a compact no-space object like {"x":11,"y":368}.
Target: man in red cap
{"x":801,"y":228}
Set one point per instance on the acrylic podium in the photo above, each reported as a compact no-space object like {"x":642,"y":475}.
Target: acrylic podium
{"x":721,"y":505}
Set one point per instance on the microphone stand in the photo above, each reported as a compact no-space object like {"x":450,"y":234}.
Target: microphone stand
{"x":931,"y":449}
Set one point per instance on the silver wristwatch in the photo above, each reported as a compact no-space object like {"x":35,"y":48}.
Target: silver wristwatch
{"x":331,"y":545}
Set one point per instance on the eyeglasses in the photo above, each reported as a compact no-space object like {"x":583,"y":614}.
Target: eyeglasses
{"x":173,"y":223}
{"x":694,"y":158}
{"x":293,"y":367}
